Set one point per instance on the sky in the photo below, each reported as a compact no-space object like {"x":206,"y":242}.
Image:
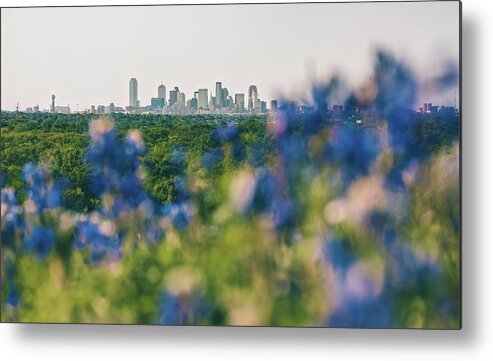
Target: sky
{"x":86,"y":56}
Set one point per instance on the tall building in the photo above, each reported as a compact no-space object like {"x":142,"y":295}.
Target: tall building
{"x":161,"y":92}
{"x":252,"y":98}
{"x":173,"y":96}
{"x":180,"y":103}
{"x":203,"y":99}
{"x":273,"y":105}
{"x":224,"y":99}
{"x":219,"y":95}
{"x":157,"y":103}
{"x":240,"y":102}
{"x":263,"y":107}
{"x":192,"y":104}
{"x":133,"y":93}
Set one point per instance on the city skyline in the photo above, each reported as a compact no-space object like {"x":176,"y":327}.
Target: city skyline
{"x":222,"y":103}
{"x":86,"y":65}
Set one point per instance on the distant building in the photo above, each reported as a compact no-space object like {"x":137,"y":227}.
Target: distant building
{"x":263,"y":107}
{"x":273,"y":105}
{"x":63,"y":109}
{"x":180,"y":103}
{"x":173,"y":96}
{"x":157,"y":103}
{"x":240,"y":102}
{"x":101,"y":109}
{"x":203,"y":99}
{"x":93,"y":109}
{"x":219,"y":96}
{"x":52,"y":108}
{"x":225,"y":98}
{"x":193,"y":104}
{"x":36,"y":108}
{"x":111,"y":108}
{"x":133,"y":93}
{"x":252,"y":98}
{"x":161,"y":92}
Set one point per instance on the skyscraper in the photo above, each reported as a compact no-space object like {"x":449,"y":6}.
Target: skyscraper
{"x":219,"y":95}
{"x":173,"y":95}
{"x":252,"y":98}
{"x":203,"y":99}
{"x":133,"y":93}
{"x":161,"y":92}
{"x":240,"y":102}
{"x":224,"y":99}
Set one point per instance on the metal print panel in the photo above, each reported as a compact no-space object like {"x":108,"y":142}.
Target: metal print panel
{"x":261,"y":165}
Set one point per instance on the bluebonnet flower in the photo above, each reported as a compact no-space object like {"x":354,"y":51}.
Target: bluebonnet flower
{"x":180,"y":214}
{"x":182,"y":309}
{"x":178,"y":156}
{"x":210,"y":159}
{"x":100,"y":237}
{"x":265,"y":191}
{"x":358,"y":302}
{"x":353,"y":149}
{"x":115,"y":166}
{"x":40,"y":188}
{"x":11,"y":216}
{"x":226,"y":134}
{"x":41,"y":241}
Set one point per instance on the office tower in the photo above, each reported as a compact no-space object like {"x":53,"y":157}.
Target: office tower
{"x":161,"y":92}
{"x":193,"y":104}
{"x":173,"y":96}
{"x":273,"y":105}
{"x":263,"y":107}
{"x":52,"y":108}
{"x":36,"y":108}
{"x":240,"y":102}
{"x":203,"y":99}
{"x":429,"y":107}
{"x":219,"y":95}
{"x":157,"y":103}
{"x":133,"y":93}
{"x":93,"y":109}
{"x":111,"y":108}
{"x":180,"y":103}
{"x":225,"y":96}
{"x":252,"y":98}
{"x":101,"y":109}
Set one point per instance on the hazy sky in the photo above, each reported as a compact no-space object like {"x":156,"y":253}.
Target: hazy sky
{"x":87,"y":55}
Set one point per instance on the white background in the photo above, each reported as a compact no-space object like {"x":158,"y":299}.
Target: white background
{"x":474,"y":341}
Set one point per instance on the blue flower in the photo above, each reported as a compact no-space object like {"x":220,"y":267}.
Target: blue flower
{"x":100,"y":237}
{"x":182,"y":309}
{"x":225,"y":134}
{"x":41,"y":241}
